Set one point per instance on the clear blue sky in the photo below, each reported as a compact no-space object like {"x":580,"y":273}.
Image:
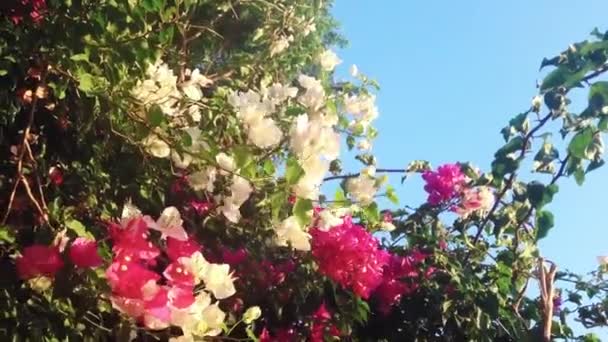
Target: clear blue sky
{"x":452,"y":74}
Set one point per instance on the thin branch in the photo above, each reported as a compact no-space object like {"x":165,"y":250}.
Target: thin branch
{"x":511,"y":179}
{"x":353,"y":175}
{"x":26,"y":132}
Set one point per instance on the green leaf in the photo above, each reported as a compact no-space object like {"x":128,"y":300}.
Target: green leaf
{"x":579,"y":176}
{"x":578,"y":145}
{"x":155,"y":116}
{"x":539,"y":195}
{"x":78,"y":228}
{"x":86,"y":82}
{"x":302,"y":211}
{"x":6,"y":235}
{"x":544,"y":222}
{"x":563,"y":76}
{"x":391,"y":195}
{"x":293,"y":171}
{"x":80,"y":57}
{"x":598,"y":95}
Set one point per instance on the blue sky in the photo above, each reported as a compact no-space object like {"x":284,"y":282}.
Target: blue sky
{"x":453,"y":73}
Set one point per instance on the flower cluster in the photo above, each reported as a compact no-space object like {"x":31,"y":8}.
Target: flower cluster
{"x":350,"y":256}
{"x":254,"y":110}
{"x":34,"y":9}
{"x":395,"y":278}
{"x":322,"y":326}
{"x":174,"y":297}
{"x":39,"y":263}
{"x":445,"y":184}
{"x":478,"y":199}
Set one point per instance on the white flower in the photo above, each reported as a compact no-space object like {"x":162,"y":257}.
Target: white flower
{"x":196,"y":264}
{"x":230,"y":210}
{"x":198,"y":144}
{"x":241,"y":189}
{"x":309,"y":28}
{"x":354,"y":71}
{"x":363,"y":107}
{"x":214,"y":318}
{"x":252,"y":314}
{"x":218,"y":280}
{"x":364,"y":145}
{"x":170,"y":224}
{"x":192,"y":87}
{"x":309,"y":82}
{"x":314,"y":138}
{"x":202,"y":180}
{"x":225,"y":162}
{"x":181,"y":162}
{"x":280,"y":93}
{"x":314,"y":170}
{"x":280,"y":45}
{"x":265,"y":133}
{"x":290,"y":232}
{"x":329,"y":60}
{"x":369,"y":171}
{"x":199,"y":319}
{"x":362,"y":189}
{"x":537,"y":102}
{"x":240,"y":192}
{"x":159,"y":89}
{"x":195,"y":113}
{"x":156,"y":146}
{"x":327,"y":220}
{"x":40,"y":283}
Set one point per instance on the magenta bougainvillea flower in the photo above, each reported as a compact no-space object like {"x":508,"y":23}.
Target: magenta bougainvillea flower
{"x":39,"y":260}
{"x":83,"y":253}
{"x":444,"y":184}
{"x":322,"y":325}
{"x":131,"y":240}
{"x":350,"y":256}
{"x":177,"y":249}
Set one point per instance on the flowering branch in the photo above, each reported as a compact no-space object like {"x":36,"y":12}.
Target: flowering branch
{"x":512,"y":176}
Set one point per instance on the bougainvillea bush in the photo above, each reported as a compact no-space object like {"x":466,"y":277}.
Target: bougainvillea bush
{"x":161,"y":171}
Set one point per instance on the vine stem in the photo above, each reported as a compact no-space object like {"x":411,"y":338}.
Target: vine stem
{"x":19,"y":177}
{"x":511,"y":179}
{"x":353,"y":175}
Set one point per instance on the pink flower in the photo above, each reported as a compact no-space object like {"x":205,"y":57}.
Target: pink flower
{"x":480,"y":199}
{"x":130,"y":279}
{"x":38,"y":260}
{"x":321,"y":325}
{"x":157,"y":315}
{"x":394,"y":284}
{"x":444,"y":184}
{"x":35,"y":9}
{"x":177,"y":249}
{"x":181,"y":297}
{"x":177,"y":274}
{"x":234,"y":258}
{"x":56,"y":175}
{"x":200,"y":207}
{"x":131,"y":239}
{"x":83,"y":253}
{"x":350,"y":256}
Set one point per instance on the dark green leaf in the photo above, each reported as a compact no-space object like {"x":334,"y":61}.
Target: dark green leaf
{"x":544,"y":222}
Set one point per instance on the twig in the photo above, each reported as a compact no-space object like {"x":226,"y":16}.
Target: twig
{"x":353,"y":175}
{"x":26,"y":132}
{"x":546,"y":280}
{"x":511,"y":179}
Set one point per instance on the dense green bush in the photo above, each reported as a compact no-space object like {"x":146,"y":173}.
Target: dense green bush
{"x":161,"y":170}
